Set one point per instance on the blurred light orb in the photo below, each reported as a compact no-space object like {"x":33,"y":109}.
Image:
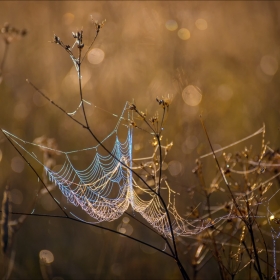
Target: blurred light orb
{"x":138,"y":146}
{"x":201,"y":24}
{"x":16,"y":196}
{"x":224,"y":92}
{"x":95,"y":56}
{"x":68,"y":18}
{"x":192,"y":95}
{"x":175,"y":167}
{"x":125,"y":220}
{"x":46,"y":256}
{"x":164,"y":166}
{"x":17,"y":164}
{"x":269,"y":65}
{"x":20,"y":111}
{"x":171,"y":25}
{"x":272,"y":217}
{"x":184,"y":34}
{"x":116,"y":269}
{"x":125,"y":228}
{"x":191,"y":142}
{"x":48,"y":203}
{"x":38,"y":100}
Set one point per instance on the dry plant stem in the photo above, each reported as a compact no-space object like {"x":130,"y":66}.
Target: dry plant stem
{"x":94,"y":225}
{"x":251,"y":232}
{"x":4,"y":57}
{"x":217,"y":255}
{"x":87,"y":127}
{"x":248,"y":224}
{"x":266,"y":252}
{"x":101,"y":144}
{"x":182,"y":270}
{"x":160,"y":163}
{"x":157,"y":135}
{"x":184,"y":274}
{"x":96,"y":34}
{"x":174,"y":253}
{"x":66,"y":216}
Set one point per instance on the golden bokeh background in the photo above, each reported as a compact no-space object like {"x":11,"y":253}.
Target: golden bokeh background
{"x":219,"y":59}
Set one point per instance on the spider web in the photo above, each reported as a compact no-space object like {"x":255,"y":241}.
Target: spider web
{"x":107,"y":187}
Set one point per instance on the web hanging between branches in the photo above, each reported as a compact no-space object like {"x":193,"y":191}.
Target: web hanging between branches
{"x":107,"y":187}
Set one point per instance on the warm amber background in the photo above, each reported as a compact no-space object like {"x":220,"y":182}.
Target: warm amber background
{"x":142,"y":62}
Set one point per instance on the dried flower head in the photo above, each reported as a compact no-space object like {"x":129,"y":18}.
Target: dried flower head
{"x":11,"y":33}
{"x":98,"y":25}
{"x":164,"y":101}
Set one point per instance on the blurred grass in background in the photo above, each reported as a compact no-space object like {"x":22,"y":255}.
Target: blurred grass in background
{"x":219,"y":58}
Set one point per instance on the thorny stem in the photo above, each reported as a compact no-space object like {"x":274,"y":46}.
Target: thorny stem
{"x":248,"y":225}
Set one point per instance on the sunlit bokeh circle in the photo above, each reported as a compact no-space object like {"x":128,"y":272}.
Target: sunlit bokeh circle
{"x":184,"y":34}
{"x":68,"y":18}
{"x":48,"y":203}
{"x":21,"y":111}
{"x":46,"y":256}
{"x":192,"y":95}
{"x":171,"y":25}
{"x":125,"y":228}
{"x":95,"y":56}
{"x":17,"y":164}
{"x":201,"y":24}
{"x":224,"y":92}
{"x":174,"y":167}
{"x":125,"y":220}
{"x":269,"y":65}
{"x":16,"y":196}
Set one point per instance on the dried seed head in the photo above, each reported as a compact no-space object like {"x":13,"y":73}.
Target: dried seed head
{"x":11,"y":33}
{"x":164,"y":101}
{"x":56,"y":40}
{"x":133,"y":123}
{"x":98,"y":25}
{"x":132,"y":107}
